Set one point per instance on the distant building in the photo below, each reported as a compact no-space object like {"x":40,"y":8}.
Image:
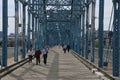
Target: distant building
{"x":11,"y":36}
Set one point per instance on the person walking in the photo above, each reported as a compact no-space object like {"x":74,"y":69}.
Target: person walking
{"x":68,"y":48}
{"x":30,"y":55}
{"x":45,"y":54}
{"x":37,"y":56}
{"x":64,"y":48}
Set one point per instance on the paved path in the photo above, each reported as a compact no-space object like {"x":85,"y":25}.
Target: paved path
{"x":60,"y":66}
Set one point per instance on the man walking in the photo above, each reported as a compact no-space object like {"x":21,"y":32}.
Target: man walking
{"x":45,"y":52}
{"x":37,"y":55}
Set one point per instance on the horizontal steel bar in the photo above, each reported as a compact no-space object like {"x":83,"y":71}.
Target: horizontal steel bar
{"x":12,"y":65}
{"x":89,"y":65}
{"x":23,"y":2}
{"x":56,"y":4}
{"x":58,"y":20}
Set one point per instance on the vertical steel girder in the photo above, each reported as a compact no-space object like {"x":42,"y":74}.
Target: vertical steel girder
{"x":23,"y":32}
{"x":28,"y":29}
{"x":83,"y":32}
{"x":79,"y":34}
{"x":39,"y":36}
{"x":116,"y":38}
{"x":75,"y":35}
{"x":86,"y":35}
{"x":33,"y":38}
{"x":4,"y":33}
{"x":93,"y":31}
{"x":100,"y":33}
{"x":16,"y":31}
{"x":28,"y":32}
{"x":36,"y":25}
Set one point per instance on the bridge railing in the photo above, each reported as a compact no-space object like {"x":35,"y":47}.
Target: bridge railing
{"x":91,"y":65}
{"x":9,"y":69}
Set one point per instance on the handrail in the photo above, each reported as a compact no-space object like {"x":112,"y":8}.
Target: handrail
{"x":2,"y":70}
{"x":9,"y":69}
{"x":86,"y":62}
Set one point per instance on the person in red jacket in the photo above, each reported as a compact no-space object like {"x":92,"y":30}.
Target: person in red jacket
{"x":37,"y":56}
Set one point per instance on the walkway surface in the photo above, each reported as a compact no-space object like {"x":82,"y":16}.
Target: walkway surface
{"x":60,"y":66}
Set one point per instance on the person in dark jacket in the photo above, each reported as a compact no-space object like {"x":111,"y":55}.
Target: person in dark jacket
{"x":68,"y":48}
{"x":37,"y":56}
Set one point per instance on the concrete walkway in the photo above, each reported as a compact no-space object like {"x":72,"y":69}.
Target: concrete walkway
{"x":60,"y":66}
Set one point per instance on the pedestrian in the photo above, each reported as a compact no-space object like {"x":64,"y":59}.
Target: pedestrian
{"x":68,"y":48}
{"x":64,"y":48}
{"x":30,"y":55}
{"x":37,"y":56}
{"x":45,"y":54}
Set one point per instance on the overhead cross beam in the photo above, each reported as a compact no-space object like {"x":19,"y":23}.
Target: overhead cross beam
{"x":23,"y":2}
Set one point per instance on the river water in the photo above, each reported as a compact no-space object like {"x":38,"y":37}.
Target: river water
{"x":10,"y":51}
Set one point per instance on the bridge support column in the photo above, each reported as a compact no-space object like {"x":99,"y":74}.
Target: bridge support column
{"x":80,"y":37}
{"x":83,"y":34}
{"x":23,"y":32}
{"x":4,"y":32}
{"x":35,"y":33}
{"x":38,"y":33}
{"x":116,"y":38}
{"x":33,"y":20}
{"x":28,"y":29}
{"x":100,"y":33}
{"x":93,"y":31}
{"x":16,"y":31}
{"x":33,"y":45}
{"x":86,"y":34}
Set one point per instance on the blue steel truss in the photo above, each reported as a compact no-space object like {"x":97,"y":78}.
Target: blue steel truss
{"x":116,"y":37}
{"x":52,"y":22}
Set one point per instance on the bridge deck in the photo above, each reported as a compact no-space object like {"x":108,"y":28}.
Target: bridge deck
{"x":60,"y":66}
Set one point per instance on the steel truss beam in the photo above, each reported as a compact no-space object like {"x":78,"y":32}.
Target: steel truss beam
{"x":16,"y":31}
{"x":100,"y":33}
{"x":116,"y":38}
{"x":4,"y":33}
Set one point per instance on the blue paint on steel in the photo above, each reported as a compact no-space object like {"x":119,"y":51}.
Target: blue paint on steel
{"x":116,"y":43}
{"x":86,"y":33}
{"x":35,"y":37}
{"x":28,"y":33}
{"x":4,"y":33}
{"x":33,"y":14}
{"x":100,"y":33}
{"x":16,"y":31}
{"x":93,"y":31}
{"x":23,"y":32}
{"x":83,"y":29}
{"x":28,"y":29}
{"x":37,"y":34}
{"x":80,"y":34}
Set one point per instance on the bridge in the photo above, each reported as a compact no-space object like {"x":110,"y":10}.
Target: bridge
{"x":94,"y":53}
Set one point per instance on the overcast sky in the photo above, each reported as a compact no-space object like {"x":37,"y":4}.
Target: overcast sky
{"x":107,"y":12}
